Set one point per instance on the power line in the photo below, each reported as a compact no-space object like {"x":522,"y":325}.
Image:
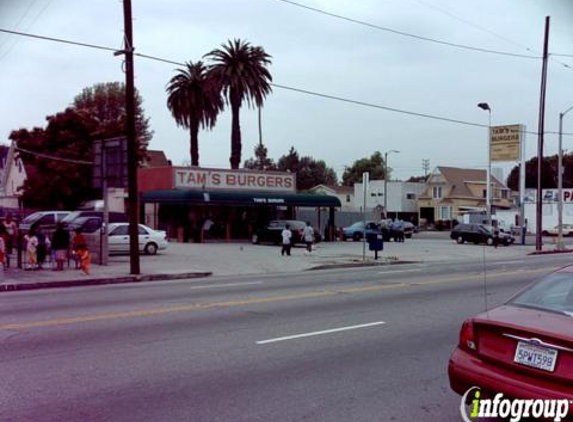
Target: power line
{"x":299,"y":90}
{"x":60,"y":40}
{"x":409,"y":35}
{"x":53,"y":158}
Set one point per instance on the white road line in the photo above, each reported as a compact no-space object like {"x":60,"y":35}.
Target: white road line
{"x":213,"y":286}
{"x":400,"y":271}
{"x":318,"y":333}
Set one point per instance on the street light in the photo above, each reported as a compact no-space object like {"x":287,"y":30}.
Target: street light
{"x":560,"y":182}
{"x":386,"y":180}
{"x":485,"y":106}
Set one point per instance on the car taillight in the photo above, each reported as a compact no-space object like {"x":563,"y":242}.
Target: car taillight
{"x":467,"y":337}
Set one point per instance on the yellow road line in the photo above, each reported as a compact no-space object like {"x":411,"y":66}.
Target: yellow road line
{"x":235,"y":303}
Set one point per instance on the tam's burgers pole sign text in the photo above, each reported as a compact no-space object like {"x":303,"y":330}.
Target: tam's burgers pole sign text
{"x":506,"y":142}
{"x":211,"y":179}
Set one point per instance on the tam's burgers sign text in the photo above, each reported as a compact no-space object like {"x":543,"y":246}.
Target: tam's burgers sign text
{"x":234,"y":180}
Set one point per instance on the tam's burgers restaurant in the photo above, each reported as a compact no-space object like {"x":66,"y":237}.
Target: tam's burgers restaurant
{"x":234,"y":203}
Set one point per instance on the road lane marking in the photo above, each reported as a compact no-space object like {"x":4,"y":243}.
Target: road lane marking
{"x":213,"y":286}
{"x":400,"y":271}
{"x":318,"y":333}
{"x":253,"y":301}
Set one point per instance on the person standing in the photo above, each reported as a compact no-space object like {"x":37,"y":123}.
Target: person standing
{"x":31,"y":242}
{"x":11,"y":236}
{"x":495,"y":237}
{"x":286,"y":243}
{"x":308,"y":234}
{"x":2,"y":250}
{"x":60,"y":244}
{"x":43,"y":245}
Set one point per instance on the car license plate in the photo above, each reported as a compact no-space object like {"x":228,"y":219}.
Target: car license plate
{"x":535,"y":356}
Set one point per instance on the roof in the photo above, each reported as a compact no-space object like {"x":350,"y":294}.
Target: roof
{"x":333,"y":189}
{"x":188,"y":196}
{"x":458,"y":179}
{"x":156,"y":159}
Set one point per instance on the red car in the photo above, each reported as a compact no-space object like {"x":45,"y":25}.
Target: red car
{"x":523,"y":349}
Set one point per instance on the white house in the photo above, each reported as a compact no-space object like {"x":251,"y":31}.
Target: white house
{"x":344,"y":193}
{"x":12,"y":177}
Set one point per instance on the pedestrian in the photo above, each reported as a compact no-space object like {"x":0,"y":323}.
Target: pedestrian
{"x":286,"y":243}
{"x":308,"y":234}
{"x":2,"y":250}
{"x":11,"y":236}
{"x":495,"y":237}
{"x":79,"y":243}
{"x":60,"y":244}
{"x":31,"y":242}
{"x":85,"y":259}
{"x":43,"y":245}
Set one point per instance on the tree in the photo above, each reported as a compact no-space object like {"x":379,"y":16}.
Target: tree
{"x":548,"y":175}
{"x":309,"y":171}
{"x":105,"y":103}
{"x":240,"y":71}
{"x":194,"y":102}
{"x":62,"y":183}
{"x":261,"y":160}
{"x":373,"y":165}
{"x":417,"y":179}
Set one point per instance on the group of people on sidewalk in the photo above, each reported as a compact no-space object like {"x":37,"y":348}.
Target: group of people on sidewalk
{"x":307,"y":235}
{"x":38,"y":248}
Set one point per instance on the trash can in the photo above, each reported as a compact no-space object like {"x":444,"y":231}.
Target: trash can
{"x":375,"y":243}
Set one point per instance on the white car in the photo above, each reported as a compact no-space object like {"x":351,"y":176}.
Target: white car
{"x":567,"y":230}
{"x":150,"y":241}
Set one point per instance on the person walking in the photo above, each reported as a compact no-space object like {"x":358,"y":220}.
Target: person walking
{"x":60,"y":244}
{"x":308,"y":235}
{"x":495,"y":237}
{"x":286,"y":243}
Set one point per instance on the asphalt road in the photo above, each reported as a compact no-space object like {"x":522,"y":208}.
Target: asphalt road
{"x":347,"y":345}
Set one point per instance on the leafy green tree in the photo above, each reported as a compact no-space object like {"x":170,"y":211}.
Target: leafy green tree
{"x":373,"y":165}
{"x":240,"y":70}
{"x":56,"y":176}
{"x":105,"y":103}
{"x":261,"y":160}
{"x":548,"y":175}
{"x":194,"y":102}
{"x":309,"y":171}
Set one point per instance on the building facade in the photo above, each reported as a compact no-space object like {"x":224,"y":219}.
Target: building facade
{"x":450,"y":192}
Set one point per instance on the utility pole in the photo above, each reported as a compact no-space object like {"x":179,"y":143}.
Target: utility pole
{"x":426,"y":166}
{"x":541,"y":129}
{"x":131,"y":146}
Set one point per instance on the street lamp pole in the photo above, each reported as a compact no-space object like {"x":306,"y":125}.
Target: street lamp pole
{"x":485,"y":106}
{"x":560,"y":182}
{"x":386,"y":180}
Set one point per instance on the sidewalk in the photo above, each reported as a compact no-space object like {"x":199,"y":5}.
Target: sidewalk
{"x":184,"y":261}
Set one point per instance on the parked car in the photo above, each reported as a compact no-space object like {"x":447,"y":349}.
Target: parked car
{"x":357,"y":230}
{"x":150,"y":241}
{"x":114,"y":217}
{"x":85,"y":224}
{"x":46,"y":220}
{"x":522,"y":349}
{"x":479,"y":233}
{"x":566,"y":228}
{"x":272,"y":232}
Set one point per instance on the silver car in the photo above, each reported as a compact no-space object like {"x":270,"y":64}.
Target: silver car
{"x":150,"y":241}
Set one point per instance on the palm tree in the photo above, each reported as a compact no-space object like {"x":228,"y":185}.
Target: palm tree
{"x":194,"y":101}
{"x":240,"y":69}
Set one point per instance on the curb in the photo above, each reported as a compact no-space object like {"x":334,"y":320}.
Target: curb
{"x":12,"y":287}
{"x":360,"y":264}
{"x":549,"y":252}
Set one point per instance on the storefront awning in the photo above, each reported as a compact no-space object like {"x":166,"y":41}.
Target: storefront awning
{"x":182,"y":196}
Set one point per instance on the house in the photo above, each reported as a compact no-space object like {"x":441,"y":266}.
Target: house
{"x":451,"y":191}
{"x":344,"y":193}
{"x":12,"y":177}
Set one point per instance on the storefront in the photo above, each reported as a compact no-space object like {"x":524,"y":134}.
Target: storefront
{"x":180,"y":200}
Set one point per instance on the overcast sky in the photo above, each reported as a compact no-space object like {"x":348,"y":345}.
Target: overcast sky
{"x":313,"y":52}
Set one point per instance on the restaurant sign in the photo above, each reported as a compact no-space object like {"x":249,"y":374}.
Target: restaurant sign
{"x":506,"y":142}
{"x":238,"y":180}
